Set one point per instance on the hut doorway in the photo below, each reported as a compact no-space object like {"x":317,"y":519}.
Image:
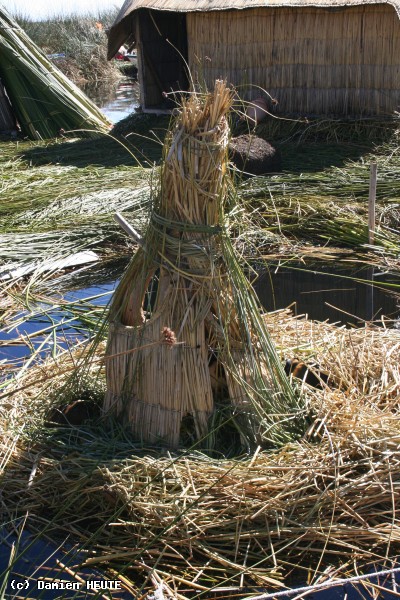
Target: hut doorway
{"x":163,"y":56}
{"x":7,"y":119}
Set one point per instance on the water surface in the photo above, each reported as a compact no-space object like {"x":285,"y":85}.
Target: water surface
{"x":116,"y":101}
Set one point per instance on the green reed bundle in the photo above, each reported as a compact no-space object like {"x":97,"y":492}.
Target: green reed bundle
{"x":43,"y":99}
{"x":186,"y":327}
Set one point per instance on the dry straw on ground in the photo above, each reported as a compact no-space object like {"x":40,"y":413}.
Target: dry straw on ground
{"x":326,"y":501}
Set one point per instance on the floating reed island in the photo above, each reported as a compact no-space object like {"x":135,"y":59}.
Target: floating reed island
{"x":318,"y":508}
{"x":306,"y":484}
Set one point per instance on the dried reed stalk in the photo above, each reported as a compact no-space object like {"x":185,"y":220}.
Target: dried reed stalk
{"x":202,"y":297}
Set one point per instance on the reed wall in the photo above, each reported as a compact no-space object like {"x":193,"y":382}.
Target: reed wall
{"x":340,"y":61}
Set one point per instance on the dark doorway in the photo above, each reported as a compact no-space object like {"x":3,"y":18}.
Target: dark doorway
{"x":163,"y":53}
{"x":7,"y":121}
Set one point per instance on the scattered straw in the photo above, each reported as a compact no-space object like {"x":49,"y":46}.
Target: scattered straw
{"x":198,"y":523}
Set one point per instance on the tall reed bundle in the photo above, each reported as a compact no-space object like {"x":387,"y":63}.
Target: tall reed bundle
{"x":205,"y":314}
{"x":43,"y":99}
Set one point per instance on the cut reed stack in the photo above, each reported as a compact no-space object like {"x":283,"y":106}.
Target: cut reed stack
{"x":43,"y":99}
{"x":184,"y":307}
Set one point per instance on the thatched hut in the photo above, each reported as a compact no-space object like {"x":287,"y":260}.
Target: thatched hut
{"x":322,"y":57}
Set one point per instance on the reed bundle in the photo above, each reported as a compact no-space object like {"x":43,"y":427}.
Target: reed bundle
{"x":205,"y":314}
{"x":326,"y":503}
{"x":43,"y":99}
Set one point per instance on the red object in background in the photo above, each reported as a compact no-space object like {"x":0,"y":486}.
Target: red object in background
{"x":119,"y":56}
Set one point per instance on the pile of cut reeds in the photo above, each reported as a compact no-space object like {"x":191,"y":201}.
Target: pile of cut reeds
{"x":44,"y":101}
{"x":330,"y":206}
{"x":325,"y":506}
{"x":185,"y":323}
{"x":52,"y":211}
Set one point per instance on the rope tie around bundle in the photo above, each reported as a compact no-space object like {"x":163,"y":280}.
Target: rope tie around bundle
{"x":184,"y":310}
{"x":181,"y":241}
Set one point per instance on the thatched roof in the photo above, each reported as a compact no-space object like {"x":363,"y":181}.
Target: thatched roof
{"x":122,"y":26}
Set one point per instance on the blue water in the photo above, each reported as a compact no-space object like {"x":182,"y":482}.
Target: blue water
{"x":53,"y":330}
{"x":124,"y":102}
{"x":335,"y":291}
{"x":321,"y":293}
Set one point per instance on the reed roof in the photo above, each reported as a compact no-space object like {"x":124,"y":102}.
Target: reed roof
{"x":122,"y":27}
{"x":209,"y":5}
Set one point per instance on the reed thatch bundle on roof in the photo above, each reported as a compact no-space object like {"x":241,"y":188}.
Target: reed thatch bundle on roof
{"x":205,"y":314}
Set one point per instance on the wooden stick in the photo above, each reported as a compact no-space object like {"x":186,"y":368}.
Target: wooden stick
{"x":129,"y":229}
{"x":371,"y":238}
{"x":371,"y":203}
